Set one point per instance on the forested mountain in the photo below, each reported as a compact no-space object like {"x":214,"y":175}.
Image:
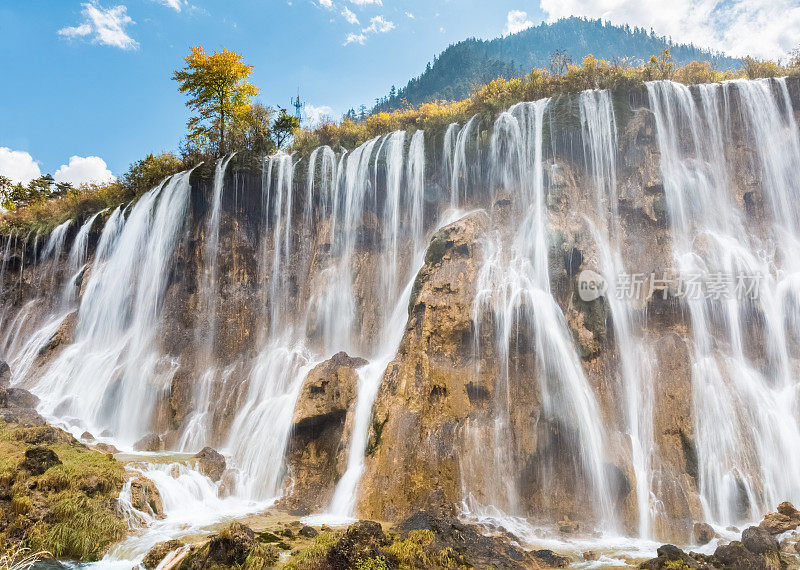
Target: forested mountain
{"x":472,"y":62}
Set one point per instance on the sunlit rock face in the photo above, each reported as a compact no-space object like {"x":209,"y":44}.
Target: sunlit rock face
{"x":403,"y":326}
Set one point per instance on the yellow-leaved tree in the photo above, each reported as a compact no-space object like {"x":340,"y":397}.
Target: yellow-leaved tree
{"x":220,"y":94}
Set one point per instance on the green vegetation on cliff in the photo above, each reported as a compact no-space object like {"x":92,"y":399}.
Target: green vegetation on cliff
{"x":258,"y":130}
{"x":456,"y":72}
{"x":56,"y":495}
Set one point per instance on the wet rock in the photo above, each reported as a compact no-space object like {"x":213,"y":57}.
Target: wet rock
{"x":317,"y":445}
{"x":151,"y":443}
{"x":550,"y":559}
{"x":39,"y":459}
{"x":703,"y":533}
{"x":211,"y":463}
{"x":589,"y":555}
{"x":670,"y":556}
{"x":787,"y":518}
{"x":5,"y":374}
{"x":145,"y":497}
{"x":231,"y":545}
{"x":159,"y":552}
{"x":759,"y":541}
{"x":105,"y":448}
{"x":308,"y":531}
{"x":19,"y":398}
{"x":736,"y":557}
{"x":474,"y":548}
{"x":424,"y":398}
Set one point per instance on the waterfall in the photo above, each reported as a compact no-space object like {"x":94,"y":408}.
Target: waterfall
{"x":209,"y":286}
{"x":599,"y":135}
{"x":76,"y":260}
{"x":745,"y":418}
{"x":459,"y":178}
{"x":110,"y":377}
{"x":327,"y":263}
{"x":514,"y":288}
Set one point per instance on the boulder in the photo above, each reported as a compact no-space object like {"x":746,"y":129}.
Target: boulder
{"x":19,"y":398}
{"x":473,"y":548}
{"x":736,"y":556}
{"x":86,"y":436}
{"x":759,"y":541}
{"x":145,"y":497}
{"x":231,"y":545}
{"x":211,"y":463}
{"x":787,"y":518}
{"x":105,"y":448}
{"x":308,"y":531}
{"x":39,"y":459}
{"x":703,"y":533}
{"x":159,"y":552}
{"x":151,"y":443}
{"x":670,"y":556}
{"x":317,"y":445}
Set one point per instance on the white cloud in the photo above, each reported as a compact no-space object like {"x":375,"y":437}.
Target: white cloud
{"x":106,"y":26}
{"x":516,"y":21}
{"x":18,"y":165}
{"x":349,"y":16}
{"x":314,"y":115}
{"x":410,"y":15}
{"x":84,"y":170}
{"x":366,"y":2}
{"x":174,"y":4}
{"x":326,"y":3}
{"x":355,"y":39}
{"x":762,"y":28}
{"x":377,"y":25}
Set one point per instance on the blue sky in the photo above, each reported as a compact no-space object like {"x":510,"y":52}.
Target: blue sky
{"x":91,"y":78}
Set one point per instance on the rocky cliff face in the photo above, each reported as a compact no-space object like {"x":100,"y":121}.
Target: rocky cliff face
{"x":504,"y":388}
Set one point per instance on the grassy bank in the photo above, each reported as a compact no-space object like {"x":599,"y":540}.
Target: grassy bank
{"x":66,"y":508}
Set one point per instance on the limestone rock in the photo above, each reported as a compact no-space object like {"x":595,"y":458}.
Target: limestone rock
{"x":737,"y":557}
{"x":145,"y":497}
{"x":424,"y":396}
{"x":105,"y":448}
{"x":151,"y":443}
{"x":159,"y":552}
{"x":308,"y":531}
{"x":787,"y":518}
{"x":703,"y":533}
{"x":759,"y":541}
{"x":316,"y":448}
{"x":211,"y":463}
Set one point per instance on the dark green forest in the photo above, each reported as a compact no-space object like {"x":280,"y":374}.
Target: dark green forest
{"x":460,"y":68}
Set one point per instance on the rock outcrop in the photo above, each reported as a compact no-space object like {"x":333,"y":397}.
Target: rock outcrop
{"x":145,"y":497}
{"x":317,"y":446}
{"x":210,"y":463}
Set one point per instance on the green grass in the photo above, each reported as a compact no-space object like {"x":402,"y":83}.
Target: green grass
{"x":69,"y":510}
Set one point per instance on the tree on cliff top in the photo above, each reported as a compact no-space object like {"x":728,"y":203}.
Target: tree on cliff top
{"x":220,"y":93}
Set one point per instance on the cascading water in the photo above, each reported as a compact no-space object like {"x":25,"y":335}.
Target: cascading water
{"x":335,"y":257}
{"x":745,"y":417}
{"x":113,"y":372}
{"x":514,"y":288}
{"x":599,"y":134}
